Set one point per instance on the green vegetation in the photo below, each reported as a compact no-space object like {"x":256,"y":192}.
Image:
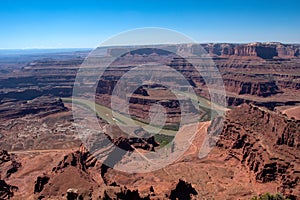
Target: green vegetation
{"x":174,"y":127}
{"x":163,"y":139}
{"x":269,"y":196}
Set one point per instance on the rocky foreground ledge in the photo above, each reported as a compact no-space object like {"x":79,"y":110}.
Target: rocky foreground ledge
{"x":258,"y":152}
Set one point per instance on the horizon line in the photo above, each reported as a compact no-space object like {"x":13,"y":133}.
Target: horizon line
{"x":87,"y":48}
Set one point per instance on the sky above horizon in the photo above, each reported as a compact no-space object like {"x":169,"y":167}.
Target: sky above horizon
{"x":85,"y":24}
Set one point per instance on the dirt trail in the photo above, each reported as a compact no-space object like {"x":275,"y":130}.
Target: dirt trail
{"x":40,"y":151}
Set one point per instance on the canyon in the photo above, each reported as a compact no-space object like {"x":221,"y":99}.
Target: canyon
{"x":255,"y":149}
{"x":249,"y":73}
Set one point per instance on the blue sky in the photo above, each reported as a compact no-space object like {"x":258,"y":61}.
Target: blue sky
{"x":76,"y":24}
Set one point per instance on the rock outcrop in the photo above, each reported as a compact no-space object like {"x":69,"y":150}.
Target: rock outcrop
{"x":8,"y":164}
{"x":40,"y":106}
{"x":6,"y":190}
{"x":267,"y":143}
{"x":86,"y":181}
{"x":250,"y":85}
{"x":40,"y":182}
{"x":80,"y":159}
{"x":128,"y":194}
{"x":183,"y":191}
{"x":74,"y":167}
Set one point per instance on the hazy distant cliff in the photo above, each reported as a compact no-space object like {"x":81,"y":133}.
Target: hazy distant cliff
{"x":267,"y":50}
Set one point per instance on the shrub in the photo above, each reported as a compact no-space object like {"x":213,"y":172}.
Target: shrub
{"x":268,"y":196}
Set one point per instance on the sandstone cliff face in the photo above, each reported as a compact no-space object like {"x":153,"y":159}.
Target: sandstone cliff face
{"x":69,"y":178}
{"x":260,"y":50}
{"x":267,"y":143}
{"x":243,"y":65}
{"x":8,"y":166}
{"x":287,"y":51}
{"x":6,"y":190}
{"x":140,"y":109}
{"x":183,"y":191}
{"x":41,"y":106}
{"x":80,"y":159}
{"x":237,"y":79}
{"x":86,"y":182}
{"x":250,"y":85}
{"x":106,"y":86}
